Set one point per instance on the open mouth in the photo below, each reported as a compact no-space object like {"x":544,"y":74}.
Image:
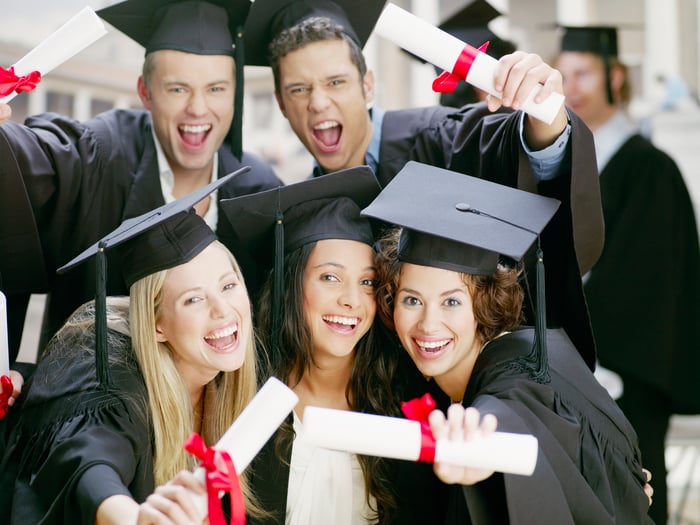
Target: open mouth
{"x":327,"y":135}
{"x":431,"y":347}
{"x":222,"y":340}
{"x":341,"y":323}
{"x":194,"y":135}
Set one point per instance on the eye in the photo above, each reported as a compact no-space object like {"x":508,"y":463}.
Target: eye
{"x":230,"y":286}
{"x":451,"y":302}
{"x":176,"y":89}
{"x":193,"y":300}
{"x":336,"y":82}
{"x":329,"y":278}
{"x":218,"y":89}
{"x":410,"y":300}
{"x":298,"y":90}
{"x":368,"y":282}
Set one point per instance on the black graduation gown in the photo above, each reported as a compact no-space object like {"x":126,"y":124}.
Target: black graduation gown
{"x":588,"y":467}
{"x":474,"y":141}
{"x":644,"y":292}
{"x":71,"y":444}
{"x":82,"y":180}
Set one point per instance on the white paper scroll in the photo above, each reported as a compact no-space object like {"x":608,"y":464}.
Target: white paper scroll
{"x":440,"y":48}
{"x":253,"y":427}
{"x":68,"y":40}
{"x":4,"y":343}
{"x":398,"y":438}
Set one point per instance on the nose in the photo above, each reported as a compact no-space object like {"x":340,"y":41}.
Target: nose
{"x":429,"y":320}
{"x":218,"y":307}
{"x":197,"y":104}
{"x":350,"y":296}
{"x":318,"y":100}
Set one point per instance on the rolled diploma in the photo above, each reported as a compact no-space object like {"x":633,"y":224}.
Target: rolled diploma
{"x":4,"y":342}
{"x":76,"y":34}
{"x":442,"y":49}
{"x":253,"y":427}
{"x":397,"y":438}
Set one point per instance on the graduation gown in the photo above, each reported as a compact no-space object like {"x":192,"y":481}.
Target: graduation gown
{"x":588,"y":468}
{"x":82,"y":179}
{"x":72,"y":444}
{"x":643,"y":292}
{"x":487,"y":145}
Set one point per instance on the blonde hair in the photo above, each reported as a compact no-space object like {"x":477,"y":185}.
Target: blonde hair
{"x":169,"y":399}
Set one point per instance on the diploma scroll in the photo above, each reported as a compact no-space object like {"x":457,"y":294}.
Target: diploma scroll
{"x":253,"y":427}
{"x":440,"y":48}
{"x":5,"y":381}
{"x":68,"y":40}
{"x":398,"y":438}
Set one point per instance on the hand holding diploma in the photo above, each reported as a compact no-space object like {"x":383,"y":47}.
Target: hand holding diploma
{"x":222,"y":463}
{"x":520,"y":80}
{"x":397,"y":438}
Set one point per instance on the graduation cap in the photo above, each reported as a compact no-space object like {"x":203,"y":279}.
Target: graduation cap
{"x":467,"y":225}
{"x":268,"y":18}
{"x":599,"y":40}
{"x":163,"y":238}
{"x":212,"y":27}
{"x":288,"y":217}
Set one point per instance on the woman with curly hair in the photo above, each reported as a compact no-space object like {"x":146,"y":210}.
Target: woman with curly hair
{"x":449,"y":287}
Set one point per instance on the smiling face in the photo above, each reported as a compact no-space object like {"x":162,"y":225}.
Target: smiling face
{"x":204,"y":316}
{"x":325,"y":100}
{"x":190,"y":98}
{"x":434,"y":319}
{"x":339,"y":304}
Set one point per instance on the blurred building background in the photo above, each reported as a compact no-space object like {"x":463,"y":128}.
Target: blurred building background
{"x":659,"y":40}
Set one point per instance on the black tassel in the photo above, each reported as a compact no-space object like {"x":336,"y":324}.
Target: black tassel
{"x":101,"y":356}
{"x":541,"y":373}
{"x":236,"y":132}
{"x":278,"y":285}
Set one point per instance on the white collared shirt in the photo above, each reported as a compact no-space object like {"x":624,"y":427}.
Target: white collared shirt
{"x":167,"y":182}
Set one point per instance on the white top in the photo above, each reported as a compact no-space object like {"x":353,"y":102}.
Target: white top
{"x":325,"y":486}
{"x":611,"y":136}
{"x":167,"y":183}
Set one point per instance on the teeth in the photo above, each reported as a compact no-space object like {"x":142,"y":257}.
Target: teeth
{"x":223,"y":333}
{"x":195,"y":129}
{"x":341,"y":320}
{"x":326,"y":125}
{"x":432,"y":344}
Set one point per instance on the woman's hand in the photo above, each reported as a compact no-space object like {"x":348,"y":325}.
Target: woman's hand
{"x":174,"y":502}
{"x":461,"y":425}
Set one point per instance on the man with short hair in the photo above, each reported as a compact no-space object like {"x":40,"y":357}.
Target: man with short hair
{"x":76,"y":181}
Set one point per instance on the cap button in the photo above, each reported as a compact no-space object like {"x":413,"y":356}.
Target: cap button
{"x":462,"y":206}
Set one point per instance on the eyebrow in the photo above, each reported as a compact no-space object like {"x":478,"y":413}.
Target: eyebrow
{"x":443,"y":294}
{"x":341,"y":266}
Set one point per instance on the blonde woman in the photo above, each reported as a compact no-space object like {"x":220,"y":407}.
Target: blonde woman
{"x":89,"y":447}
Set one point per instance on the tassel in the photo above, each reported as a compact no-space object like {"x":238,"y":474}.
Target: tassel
{"x":101,"y":356}
{"x":236,"y":132}
{"x":278,"y":285}
{"x":541,"y":373}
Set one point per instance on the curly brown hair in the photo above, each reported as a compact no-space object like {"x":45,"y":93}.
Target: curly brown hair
{"x":497,"y":299}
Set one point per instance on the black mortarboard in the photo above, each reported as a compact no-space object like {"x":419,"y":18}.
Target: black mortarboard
{"x":325,"y":207}
{"x":212,"y":27}
{"x":465,"y":224}
{"x":470,"y":24}
{"x":599,"y":40}
{"x":268,"y":18}
{"x":157,"y":240}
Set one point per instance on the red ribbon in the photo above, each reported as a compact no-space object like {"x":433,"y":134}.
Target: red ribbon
{"x":447,"y":82}
{"x":217,"y":481}
{"x":419,"y":409}
{"x":6,"y":389}
{"x":10,"y":82}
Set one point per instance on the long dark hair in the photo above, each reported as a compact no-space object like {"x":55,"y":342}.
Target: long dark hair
{"x":368,"y":390}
